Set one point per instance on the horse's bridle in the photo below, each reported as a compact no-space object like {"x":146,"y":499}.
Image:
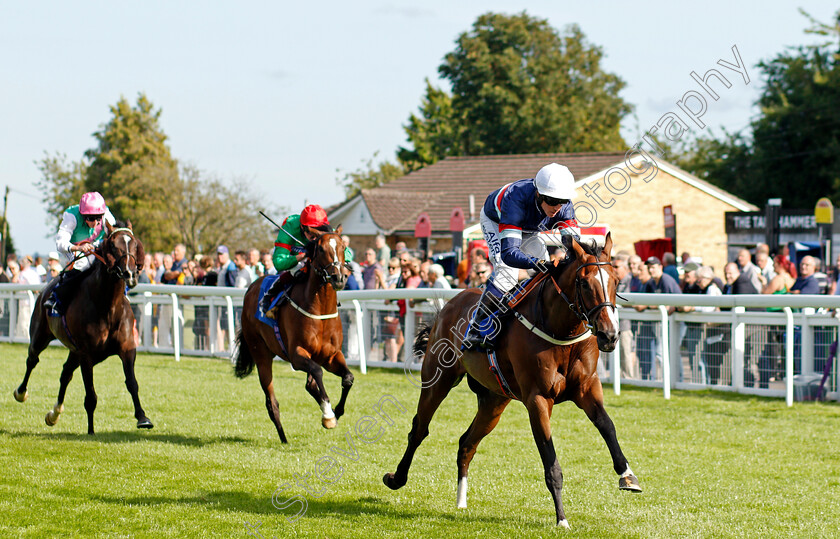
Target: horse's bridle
{"x":115,"y":269}
{"x":323,"y":271}
{"x":575,"y":306}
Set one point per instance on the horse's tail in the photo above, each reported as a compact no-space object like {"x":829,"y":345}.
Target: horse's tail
{"x":421,"y":341}
{"x":244,"y":360}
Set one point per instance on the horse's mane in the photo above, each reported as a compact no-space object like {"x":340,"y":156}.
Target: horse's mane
{"x":590,"y":247}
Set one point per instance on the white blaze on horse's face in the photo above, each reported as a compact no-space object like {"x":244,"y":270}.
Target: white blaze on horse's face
{"x":612,"y":312}
{"x":333,"y":245}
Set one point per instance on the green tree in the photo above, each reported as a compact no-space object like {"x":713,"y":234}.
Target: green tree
{"x":518,"y":86}
{"x":792,"y":149}
{"x":134,"y":170}
{"x":62,"y":184}
{"x":370,"y":175}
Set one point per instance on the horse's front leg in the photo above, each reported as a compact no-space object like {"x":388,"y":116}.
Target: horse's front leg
{"x":128,"y":358}
{"x":86,"y":367}
{"x":301,"y":360}
{"x":539,"y":413}
{"x":592,"y":403}
{"x":338,"y":366}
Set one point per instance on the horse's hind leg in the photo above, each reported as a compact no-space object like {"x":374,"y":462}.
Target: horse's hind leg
{"x":39,"y":338}
{"x":263,"y":359}
{"x":128,"y":358}
{"x":490,"y":408}
{"x":431,"y":395}
{"x":70,"y":365}
{"x":592,"y":403}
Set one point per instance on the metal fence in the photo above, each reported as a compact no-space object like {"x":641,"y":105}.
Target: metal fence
{"x":759,"y":346}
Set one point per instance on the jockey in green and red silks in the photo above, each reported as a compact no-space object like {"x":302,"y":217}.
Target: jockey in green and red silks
{"x":290,"y":247}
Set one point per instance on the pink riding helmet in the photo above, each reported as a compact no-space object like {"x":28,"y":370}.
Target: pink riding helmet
{"x":92,"y":204}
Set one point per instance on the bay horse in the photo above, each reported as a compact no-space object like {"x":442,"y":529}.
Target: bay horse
{"x":548,"y":355}
{"x":98,"y":323}
{"x":310,"y":328}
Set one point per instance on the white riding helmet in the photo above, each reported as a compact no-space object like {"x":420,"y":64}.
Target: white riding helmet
{"x":555,"y":181}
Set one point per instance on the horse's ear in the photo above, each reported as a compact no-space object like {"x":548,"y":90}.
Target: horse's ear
{"x":107,"y":226}
{"x":608,"y":245}
{"x":576,"y":248}
{"x":128,"y":224}
{"x":338,"y":230}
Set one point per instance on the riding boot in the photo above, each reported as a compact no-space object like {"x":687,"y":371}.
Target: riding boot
{"x":280,"y":284}
{"x":62,"y":293}
{"x":485,"y":320}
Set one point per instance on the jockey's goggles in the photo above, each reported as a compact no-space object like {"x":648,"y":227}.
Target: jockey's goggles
{"x":92,"y":217}
{"x":551,"y":201}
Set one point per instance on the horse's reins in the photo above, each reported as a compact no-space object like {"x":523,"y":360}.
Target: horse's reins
{"x":584,"y":316}
{"x":323,"y":274}
{"x":115,"y":270}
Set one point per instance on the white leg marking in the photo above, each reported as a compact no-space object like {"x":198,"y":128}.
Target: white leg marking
{"x":627,"y":472}
{"x":326,"y":410}
{"x":563,"y":524}
{"x":462,"y":493}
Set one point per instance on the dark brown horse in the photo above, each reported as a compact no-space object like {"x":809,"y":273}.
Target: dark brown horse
{"x":98,"y":323}
{"x":536,"y":371}
{"x":310,"y":328}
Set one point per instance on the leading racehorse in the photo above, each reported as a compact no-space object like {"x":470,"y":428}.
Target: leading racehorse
{"x":310,"y":329}
{"x":546,"y":356}
{"x":98,"y":323}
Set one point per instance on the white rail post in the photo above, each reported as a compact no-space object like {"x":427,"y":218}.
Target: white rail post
{"x":408,"y":347}
{"x":806,"y":364}
{"x":13,"y":312}
{"x":147,"y":319}
{"x":616,"y":366}
{"x":675,"y":352}
{"x":231,"y":326}
{"x":666,"y":353}
{"x":176,"y":329}
{"x":788,"y":356}
{"x":360,"y":335}
{"x":738,"y":347}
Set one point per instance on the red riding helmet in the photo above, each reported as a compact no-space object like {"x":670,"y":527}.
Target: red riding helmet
{"x":314,"y":216}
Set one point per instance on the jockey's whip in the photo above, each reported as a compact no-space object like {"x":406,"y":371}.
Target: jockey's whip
{"x":270,"y":220}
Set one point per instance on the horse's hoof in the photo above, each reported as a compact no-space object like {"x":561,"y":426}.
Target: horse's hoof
{"x":144,"y":423}
{"x":391,"y":482}
{"x":19,"y":397}
{"x":329,"y":422}
{"x":629,"y":482}
{"x":51,"y":419}
{"x":563,"y":524}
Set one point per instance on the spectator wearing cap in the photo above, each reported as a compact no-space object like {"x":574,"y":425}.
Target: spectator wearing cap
{"x":54,"y":265}
{"x":689,"y":280}
{"x":650,"y":343}
{"x":806,"y":283}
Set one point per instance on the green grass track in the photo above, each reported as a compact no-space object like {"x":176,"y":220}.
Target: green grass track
{"x":711,"y":464}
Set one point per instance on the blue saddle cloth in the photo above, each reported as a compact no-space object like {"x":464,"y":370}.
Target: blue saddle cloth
{"x":260,"y":315}
{"x":266,"y":284}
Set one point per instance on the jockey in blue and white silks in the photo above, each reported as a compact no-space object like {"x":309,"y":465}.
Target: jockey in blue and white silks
{"x":511,"y":220}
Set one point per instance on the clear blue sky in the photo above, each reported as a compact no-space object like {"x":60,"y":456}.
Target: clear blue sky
{"x":286,"y":93}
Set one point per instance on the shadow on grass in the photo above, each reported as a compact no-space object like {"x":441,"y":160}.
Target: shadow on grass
{"x":248,"y":504}
{"x":129,"y":436}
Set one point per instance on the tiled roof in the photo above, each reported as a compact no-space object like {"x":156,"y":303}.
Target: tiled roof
{"x":450,"y":182}
{"x":396,"y":209}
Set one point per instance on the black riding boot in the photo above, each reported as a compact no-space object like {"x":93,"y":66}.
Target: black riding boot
{"x":485,"y":319}
{"x":281,"y":283}
{"x":62,"y":293}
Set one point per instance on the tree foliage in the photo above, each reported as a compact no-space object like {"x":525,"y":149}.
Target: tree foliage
{"x":793,"y":151}
{"x":518,"y":86}
{"x":132,"y":166}
{"x":370,"y":175}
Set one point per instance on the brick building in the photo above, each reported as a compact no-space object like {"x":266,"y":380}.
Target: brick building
{"x":629,"y":200}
